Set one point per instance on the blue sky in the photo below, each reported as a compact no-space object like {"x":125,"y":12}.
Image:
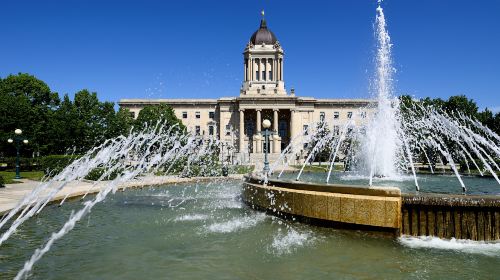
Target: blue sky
{"x":179,"y":49}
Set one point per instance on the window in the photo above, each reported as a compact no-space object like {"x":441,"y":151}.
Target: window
{"x":321,"y":116}
{"x":210,"y":130}
{"x":228,"y":129}
{"x":306,"y":129}
{"x":198,"y":115}
{"x":270,"y":75}
{"x":336,"y":130}
{"x":197,"y":130}
{"x":263,"y":75}
{"x":336,"y":115}
{"x":363,"y":115}
{"x":211,"y":115}
{"x":349,"y":115}
{"x":257,"y":76}
{"x":282,"y":128}
{"x":184,"y":115}
{"x":249,"y":128}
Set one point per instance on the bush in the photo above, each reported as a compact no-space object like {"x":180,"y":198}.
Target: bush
{"x":241,"y":169}
{"x":27,"y":164}
{"x":56,"y":163}
{"x":96,"y":173}
{"x":2,"y":182}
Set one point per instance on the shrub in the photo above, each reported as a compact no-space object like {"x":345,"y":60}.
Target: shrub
{"x":9,"y":163}
{"x":241,"y":169}
{"x":2,"y":182}
{"x":96,"y":173}
{"x":54,"y":164}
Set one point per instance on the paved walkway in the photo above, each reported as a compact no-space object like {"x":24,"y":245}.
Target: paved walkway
{"x":13,"y":193}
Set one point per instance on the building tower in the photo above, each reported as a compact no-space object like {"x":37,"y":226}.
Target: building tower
{"x":263,"y":64}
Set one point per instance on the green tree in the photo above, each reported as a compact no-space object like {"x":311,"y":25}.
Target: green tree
{"x":496,"y":123}
{"x":26,"y":103}
{"x":460,"y":103}
{"x":120,"y":123}
{"x":63,"y":127}
{"x":150,"y":115}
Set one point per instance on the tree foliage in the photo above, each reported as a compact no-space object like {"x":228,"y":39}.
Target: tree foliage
{"x":52,"y":125}
{"x":456,"y":104}
{"x":151,"y":115}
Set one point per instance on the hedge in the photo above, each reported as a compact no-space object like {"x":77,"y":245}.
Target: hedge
{"x":96,"y":173}
{"x":55,"y":163}
{"x":27,"y":164}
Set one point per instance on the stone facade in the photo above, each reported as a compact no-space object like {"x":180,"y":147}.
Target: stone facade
{"x":237,"y":120}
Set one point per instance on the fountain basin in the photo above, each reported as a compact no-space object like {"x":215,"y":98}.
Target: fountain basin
{"x":475,"y":217}
{"x":377,"y":208}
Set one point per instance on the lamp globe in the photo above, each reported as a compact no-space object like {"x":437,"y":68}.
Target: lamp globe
{"x":266,"y":123}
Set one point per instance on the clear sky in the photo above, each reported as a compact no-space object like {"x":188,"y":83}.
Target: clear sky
{"x":193,"y":49}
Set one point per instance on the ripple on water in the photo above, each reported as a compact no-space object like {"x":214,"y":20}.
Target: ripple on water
{"x":237,"y":223}
{"x":460,"y":245}
{"x":288,"y":242}
{"x":191,"y":217}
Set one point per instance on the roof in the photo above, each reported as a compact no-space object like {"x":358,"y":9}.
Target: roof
{"x":263,"y":35}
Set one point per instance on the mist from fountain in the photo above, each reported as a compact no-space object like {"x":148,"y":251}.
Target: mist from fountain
{"x":159,"y":149}
{"x":398,"y":132}
{"x":383,"y":148}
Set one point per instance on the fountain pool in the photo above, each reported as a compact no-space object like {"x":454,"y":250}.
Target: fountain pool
{"x":203,"y":230}
{"x":429,"y":183}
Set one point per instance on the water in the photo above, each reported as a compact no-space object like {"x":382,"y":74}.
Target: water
{"x":231,"y":239}
{"x":208,"y":233}
{"x":432,"y":183}
{"x":398,"y":134}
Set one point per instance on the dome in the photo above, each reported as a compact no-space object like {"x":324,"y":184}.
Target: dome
{"x":263,"y":35}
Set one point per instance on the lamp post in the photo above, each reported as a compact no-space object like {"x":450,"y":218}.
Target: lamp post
{"x":18,"y":139}
{"x":266,"y":124}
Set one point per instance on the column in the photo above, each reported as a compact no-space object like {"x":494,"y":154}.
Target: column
{"x":257,"y":62}
{"x":271,"y":63}
{"x":242,"y":131}
{"x":292,"y":124}
{"x":264,"y":77}
{"x":258,"y":148}
{"x":251,"y":69}
{"x":275,"y":120}
{"x":281,"y":70}
{"x":245,"y":72}
{"x":275,"y":69}
{"x":276,"y":137}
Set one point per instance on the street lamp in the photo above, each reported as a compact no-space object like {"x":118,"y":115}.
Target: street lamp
{"x":18,"y":139}
{"x":266,"y":124}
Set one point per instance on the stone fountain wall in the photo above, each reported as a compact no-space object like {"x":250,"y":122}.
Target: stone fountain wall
{"x":377,"y":208}
{"x":451,"y":216}
{"x":380,"y":208}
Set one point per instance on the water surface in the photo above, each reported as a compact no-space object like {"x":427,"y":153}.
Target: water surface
{"x":429,"y":183}
{"x":204,"y":231}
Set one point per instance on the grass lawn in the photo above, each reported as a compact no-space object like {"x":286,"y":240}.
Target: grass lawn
{"x":318,"y":168}
{"x":8,"y":176}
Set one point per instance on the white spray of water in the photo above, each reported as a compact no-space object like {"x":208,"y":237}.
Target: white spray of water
{"x":237,"y":223}
{"x":381,"y":142}
{"x":460,"y":245}
{"x":155,"y":149}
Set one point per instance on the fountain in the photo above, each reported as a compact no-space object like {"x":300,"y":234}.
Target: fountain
{"x":199,"y":229}
{"x":383,"y":151}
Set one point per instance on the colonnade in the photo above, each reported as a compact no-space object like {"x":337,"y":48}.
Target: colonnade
{"x":276,"y":140}
{"x":263,"y":69}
